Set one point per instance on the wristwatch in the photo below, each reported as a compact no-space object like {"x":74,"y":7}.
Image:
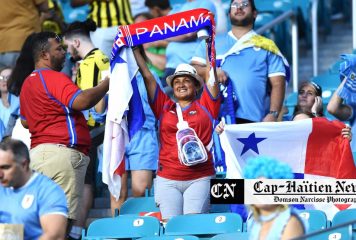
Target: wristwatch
{"x":274,"y":113}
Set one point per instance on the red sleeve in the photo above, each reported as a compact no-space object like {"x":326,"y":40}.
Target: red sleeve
{"x":211,"y":103}
{"x":62,"y":88}
{"x":159,"y":102}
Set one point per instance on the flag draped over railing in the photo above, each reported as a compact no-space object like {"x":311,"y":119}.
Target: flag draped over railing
{"x":125,"y":113}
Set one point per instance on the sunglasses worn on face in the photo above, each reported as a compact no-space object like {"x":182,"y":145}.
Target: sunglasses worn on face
{"x":241,"y":5}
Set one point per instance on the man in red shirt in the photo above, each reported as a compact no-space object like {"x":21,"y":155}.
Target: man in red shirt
{"x":51,"y":106}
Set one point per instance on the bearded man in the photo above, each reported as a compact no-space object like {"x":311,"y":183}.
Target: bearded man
{"x":253,"y":63}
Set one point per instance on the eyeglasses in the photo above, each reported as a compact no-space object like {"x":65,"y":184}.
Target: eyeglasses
{"x":241,"y":5}
{"x":308,"y":93}
{"x":4,"y":78}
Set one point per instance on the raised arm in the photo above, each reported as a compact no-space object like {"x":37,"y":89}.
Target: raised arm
{"x":89,"y":97}
{"x":336,"y":106}
{"x":213,"y":86}
{"x":148,"y":78}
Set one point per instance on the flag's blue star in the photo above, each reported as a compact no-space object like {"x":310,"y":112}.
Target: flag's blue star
{"x":250,"y":143}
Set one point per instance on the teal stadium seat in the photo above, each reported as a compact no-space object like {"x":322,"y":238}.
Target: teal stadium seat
{"x":345,"y":216}
{"x":204,"y":225}
{"x":346,"y":232}
{"x":291,"y":102}
{"x":219,"y":208}
{"x":139,"y":205}
{"x":231,"y":236}
{"x":315,"y":219}
{"x":339,"y":233}
{"x":327,"y":81}
{"x":186,"y":237}
{"x":122,"y":227}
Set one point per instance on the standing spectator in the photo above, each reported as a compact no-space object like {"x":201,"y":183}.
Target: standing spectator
{"x":51,"y":106}
{"x":9,"y":102}
{"x":108,"y":15}
{"x":18,"y":19}
{"x":182,"y":188}
{"x":141,"y":154}
{"x":89,"y":74}
{"x":309,"y":99}
{"x":30,"y":198}
{"x":253,"y":64}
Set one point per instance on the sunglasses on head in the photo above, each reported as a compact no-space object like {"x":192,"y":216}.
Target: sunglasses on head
{"x":241,"y":5}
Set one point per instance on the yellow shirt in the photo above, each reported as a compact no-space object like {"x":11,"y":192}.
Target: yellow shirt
{"x":111,"y":13}
{"x":89,"y":73}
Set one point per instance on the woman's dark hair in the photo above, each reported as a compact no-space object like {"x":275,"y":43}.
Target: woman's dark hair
{"x":25,"y":64}
{"x":80,"y":28}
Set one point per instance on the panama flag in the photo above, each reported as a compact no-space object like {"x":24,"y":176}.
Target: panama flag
{"x":314,"y":148}
{"x":124,"y":118}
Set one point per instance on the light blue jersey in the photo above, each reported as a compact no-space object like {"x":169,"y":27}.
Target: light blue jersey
{"x":142,"y":151}
{"x":249,"y":71}
{"x":5,"y":112}
{"x":25,"y":205}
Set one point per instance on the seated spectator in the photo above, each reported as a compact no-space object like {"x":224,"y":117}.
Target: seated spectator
{"x":272,"y":221}
{"x":9,"y":103}
{"x":310,"y":104}
{"x":182,"y":185}
{"x":309,"y":99}
{"x":30,"y":198}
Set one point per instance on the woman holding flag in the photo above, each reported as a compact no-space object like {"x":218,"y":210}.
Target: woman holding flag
{"x":185,"y":164}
